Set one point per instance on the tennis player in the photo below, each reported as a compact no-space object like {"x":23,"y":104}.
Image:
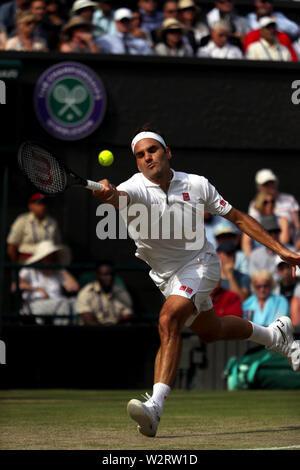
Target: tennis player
{"x":186,"y":277}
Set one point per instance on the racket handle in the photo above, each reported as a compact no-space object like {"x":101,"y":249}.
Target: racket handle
{"x":93,"y":186}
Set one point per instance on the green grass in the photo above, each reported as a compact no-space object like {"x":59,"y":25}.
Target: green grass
{"x":97,"y":419}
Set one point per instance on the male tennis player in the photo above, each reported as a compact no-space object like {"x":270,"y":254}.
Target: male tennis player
{"x":186,"y":277}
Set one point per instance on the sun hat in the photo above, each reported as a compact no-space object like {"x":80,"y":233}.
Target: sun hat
{"x":46,"y":248}
{"x":122,"y":14}
{"x":265,"y":175}
{"x":79,"y":4}
{"x":74,"y":22}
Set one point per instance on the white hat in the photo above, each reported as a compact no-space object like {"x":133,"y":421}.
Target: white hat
{"x":46,"y":248}
{"x":79,"y":4}
{"x":265,"y":175}
{"x":265,"y":21}
{"x":122,"y":13}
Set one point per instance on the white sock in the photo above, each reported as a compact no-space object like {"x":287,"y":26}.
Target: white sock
{"x":261,"y":335}
{"x":160,"y":393}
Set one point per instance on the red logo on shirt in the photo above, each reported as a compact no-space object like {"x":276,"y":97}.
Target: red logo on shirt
{"x":182,"y":288}
{"x":186,"y":196}
{"x":189,"y":290}
{"x":223,"y":203}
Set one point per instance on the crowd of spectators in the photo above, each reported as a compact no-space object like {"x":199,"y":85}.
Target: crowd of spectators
{"x":255,"y":282}
{"x":180,"y":28}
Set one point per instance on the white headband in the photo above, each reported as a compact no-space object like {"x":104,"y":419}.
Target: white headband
{"x":147,"y":135}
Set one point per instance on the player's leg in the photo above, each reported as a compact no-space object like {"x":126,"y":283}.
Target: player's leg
{"x":172,"y":317}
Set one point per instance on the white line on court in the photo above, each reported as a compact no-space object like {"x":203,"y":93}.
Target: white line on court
{"x":278,"y":448}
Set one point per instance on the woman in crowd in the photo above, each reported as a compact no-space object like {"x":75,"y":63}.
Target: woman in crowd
{"x":172,"y":41}
{"x":24,"y":39}
{"x":77,"y":36}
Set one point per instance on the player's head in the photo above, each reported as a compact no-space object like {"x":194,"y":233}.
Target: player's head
{"x":151,"y":152}
{"x":105,"y":274}
{"x":37,"y":205}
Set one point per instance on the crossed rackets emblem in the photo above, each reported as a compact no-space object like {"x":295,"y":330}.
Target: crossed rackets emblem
{"x":70,"y":98}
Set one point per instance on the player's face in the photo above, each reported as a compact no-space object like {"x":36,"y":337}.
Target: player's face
{"x":152,"y":159}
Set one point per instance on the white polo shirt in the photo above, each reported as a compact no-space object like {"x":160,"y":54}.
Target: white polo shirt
{"x":165,"y":256}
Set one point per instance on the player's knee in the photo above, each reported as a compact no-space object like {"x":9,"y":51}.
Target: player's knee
{"x":169,"y":324}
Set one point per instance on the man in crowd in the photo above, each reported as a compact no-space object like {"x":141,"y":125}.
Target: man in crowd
{"x":218,"y":47}
{"x":8,"y":13}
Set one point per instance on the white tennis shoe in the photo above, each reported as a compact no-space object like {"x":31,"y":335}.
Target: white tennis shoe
{"x":284,"y":342}
{"x":147,"y":417}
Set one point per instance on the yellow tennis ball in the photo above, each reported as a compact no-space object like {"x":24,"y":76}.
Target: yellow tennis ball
{"x":105,"y":158}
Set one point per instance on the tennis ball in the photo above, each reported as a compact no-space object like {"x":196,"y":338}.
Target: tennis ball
{"x":105,"y":157}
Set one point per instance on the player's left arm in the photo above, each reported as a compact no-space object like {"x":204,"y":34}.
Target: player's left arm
{"x":253,"y":229}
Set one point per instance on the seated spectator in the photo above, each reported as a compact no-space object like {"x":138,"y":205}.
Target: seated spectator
{"x":268,"y":47}
{"x":43,"y":288}
{"x":171,"y":40}
{"x":264,"y":204}
{"x":85,"y":9}
{"x":226,"y":302}
{"x":122,"y":42}
{"x":224,"y":10}
{"x":101,"y":302}
{"x":188,"y":15}
{"x":263,"y":257}
{"x":103,"y":18}
{"x":265,"y":8}
{"x":285,"y":205}
{"x":3,"y":38}
{"x":263,"y":307}
{"x":31,"y":228}
{"x":218,"y":47}
{"x":38,"y":9}
{"x":77,"y":36}
{"x":54,"y":19}
{"x":210,"y":223}
{"x":169,"y":10}
{"x":151,"y":17}
{"x":24,"y":39}
{"x":230,"y":278}
{"x":227,"y":231}
{"x":8,"y":14}
{"x":288,"y":285}
{"x":135,"y":27}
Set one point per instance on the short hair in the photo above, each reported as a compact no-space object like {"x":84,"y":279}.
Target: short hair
{"x":221,"y":24}
{"x":264,"y":275}
{"x":105,"y":262}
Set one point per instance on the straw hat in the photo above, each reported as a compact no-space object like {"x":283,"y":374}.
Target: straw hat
{"x":46,"y":248}
{"x":171,"y":23}
{"x":74,"y":22}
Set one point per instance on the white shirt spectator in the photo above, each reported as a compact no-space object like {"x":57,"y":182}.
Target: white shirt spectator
{"x":263,"y":50}
{"x":228,"y":51}
{"x":52,"y":284}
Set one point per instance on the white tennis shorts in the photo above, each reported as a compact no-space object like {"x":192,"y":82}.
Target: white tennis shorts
{"x":195,"y":280}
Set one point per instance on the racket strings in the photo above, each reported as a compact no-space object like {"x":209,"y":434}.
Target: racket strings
{"x":42,"y":169}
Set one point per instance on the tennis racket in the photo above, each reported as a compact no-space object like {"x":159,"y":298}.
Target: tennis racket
{"x":48,"y":174}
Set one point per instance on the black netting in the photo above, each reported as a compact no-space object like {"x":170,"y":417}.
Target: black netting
{"x":42,"y":169}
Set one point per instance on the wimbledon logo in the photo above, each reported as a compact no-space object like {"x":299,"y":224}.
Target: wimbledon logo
{"x":70,"y":100}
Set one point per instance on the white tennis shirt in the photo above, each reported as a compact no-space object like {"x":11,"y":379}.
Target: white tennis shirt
{"x":165,"y":256}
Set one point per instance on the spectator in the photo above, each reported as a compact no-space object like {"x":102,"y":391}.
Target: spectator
{"x":8,"y":14}
{"x":232,"y":279}
{"x":77,"y":36}
{"x":288,"y":285}
{"x":103,"y":18}
{"x":38,"y":9}
{"x":54,"y":20}
{"x":122,"y":42}
{"x":264,"y":203}
{"x":224,"y":10}
{"x":3,"y":37}
{"x":135,"y":27}
{"x":226,"y":302}
{"x":102,"y":302}
{"x":285,"y":205}
{"x":263,"y":307}
{"x":265,"y":8}
{"x":227,"y":231}
{"x":25,"y":39}
{"x":31,"y":228}
{"x":263,"y":257}
{"x":151,"y":17}
{"x":43,"y":288}
{"x":171,"y":40}
{"x":188,"y":15}
{"x":268,"y":47}
{"x":85,"y":9}
{"x":170,"y":10}
{"x":218,"y":47}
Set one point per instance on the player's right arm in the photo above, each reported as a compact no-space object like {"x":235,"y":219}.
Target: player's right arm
{"x":110,"y":195}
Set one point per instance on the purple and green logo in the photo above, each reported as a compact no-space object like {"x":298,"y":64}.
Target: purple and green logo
{"x":70,"y":100}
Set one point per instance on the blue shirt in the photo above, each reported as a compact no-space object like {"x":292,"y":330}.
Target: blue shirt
{"x":151,"y":22}
{"x":7,"y":17}
{"x":114,"y":44}
{"x":275,"y":306}
{"x":283,"y":24}
{"x":104,"y":25}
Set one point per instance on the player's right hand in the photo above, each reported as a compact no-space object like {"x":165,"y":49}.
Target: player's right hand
{"x":106,"y":193}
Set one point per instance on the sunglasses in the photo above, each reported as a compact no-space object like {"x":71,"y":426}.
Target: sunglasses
{"x":262,"y":286}
{"x":271,"y":201}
